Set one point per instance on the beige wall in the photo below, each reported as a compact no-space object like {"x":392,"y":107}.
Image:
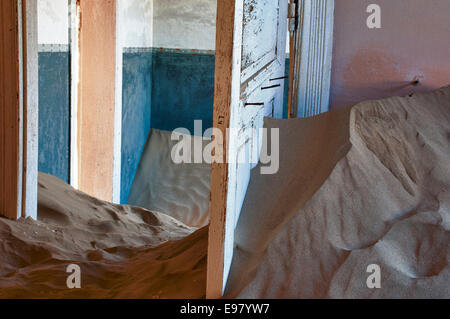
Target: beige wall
{"x":97,"y":98}
{"x":413,"y":42}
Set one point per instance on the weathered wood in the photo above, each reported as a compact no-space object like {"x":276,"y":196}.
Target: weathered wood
{"x":97,"y":98}
{"x":9,"y":108}
{"x":292,"y":38}
{"x":18,"y":109}
{"x":74,"y":13}
{"x":243,"y":67}
{"x":30,"y":108}
{"x":221,"y":120}
{"x":312,"y":55}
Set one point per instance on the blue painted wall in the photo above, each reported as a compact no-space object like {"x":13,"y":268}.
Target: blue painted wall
{"x":164,"y":90}
{"x":160,"y":90}
{"x":182,"y":90}
{"x":54,"y":114}
{"x":136,"y":114}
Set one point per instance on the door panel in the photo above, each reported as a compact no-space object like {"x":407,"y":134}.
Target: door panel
{"x":259,"y":35}
{"x":250,"y":56}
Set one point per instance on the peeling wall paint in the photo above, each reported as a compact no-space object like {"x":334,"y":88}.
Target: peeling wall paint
{"x":187,"y":24}
{"x":136,"y":23}
{"x":54,"y":114}
{"x":53,"y":22}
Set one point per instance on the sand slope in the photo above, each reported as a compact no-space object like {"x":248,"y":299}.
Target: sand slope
{"x":386,"y":202}
{"x":359,"y":186}
{"x":178,"y":190}
{"x":123,"y":251}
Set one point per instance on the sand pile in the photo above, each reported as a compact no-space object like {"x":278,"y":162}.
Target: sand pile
{"x":123,"y":251}
{"x":359,"y":186}
{"x":386,"y":202}
{"x":178,"y":190}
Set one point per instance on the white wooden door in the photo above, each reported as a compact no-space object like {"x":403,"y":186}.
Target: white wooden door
{"x":249,"y":84}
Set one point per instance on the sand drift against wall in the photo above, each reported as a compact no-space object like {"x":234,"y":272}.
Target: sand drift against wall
{"x":178,"y":190}
{"x":387,"y":202}
{"x":360,"y":186}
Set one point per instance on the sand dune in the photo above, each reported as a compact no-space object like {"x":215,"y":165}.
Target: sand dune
{"x":123,"y":251}
{"x":359,"y":186}
{"x":386,"y":202}
{"x":178,"y":190}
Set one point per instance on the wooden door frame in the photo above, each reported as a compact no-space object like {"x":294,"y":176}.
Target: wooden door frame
{"x":97,"y":106}
{"x":293,"y":16}
{"x":311,"y":47}
{"x":74,"y":44}
{"x":230,"y":96}
{"x":19,"y":128}
{"x":223,"y":91}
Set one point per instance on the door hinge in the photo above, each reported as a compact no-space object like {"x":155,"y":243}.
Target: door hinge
{"x":292,"y":17}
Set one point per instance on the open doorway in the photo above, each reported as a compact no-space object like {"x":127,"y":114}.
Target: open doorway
{"x":154,"y":72}
{"x":174,"y":76}
{"x":348,"y":190}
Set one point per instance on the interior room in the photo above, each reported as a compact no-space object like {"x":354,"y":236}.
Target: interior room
{"x":249,"y":149}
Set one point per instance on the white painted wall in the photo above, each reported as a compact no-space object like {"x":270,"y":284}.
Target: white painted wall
{"x":136,"y":23}
{"x":53,"y":22}
{"x":185,"y":24}
{"x":135,"y":16}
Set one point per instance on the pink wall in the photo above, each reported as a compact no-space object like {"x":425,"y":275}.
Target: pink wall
{"x":414,"y":41}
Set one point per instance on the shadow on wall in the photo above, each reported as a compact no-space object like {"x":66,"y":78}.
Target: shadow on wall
{"x":182,"y":90}
{"x":136,"y":114}
{"x":373,"y":75}
{"x":381,"y":90}
{"x":163,"y":91}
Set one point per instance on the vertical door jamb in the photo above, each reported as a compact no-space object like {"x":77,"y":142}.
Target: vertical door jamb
{"x":223,"y":88}
{"x":30,"y":121}
{"x":98,"y":116}
{"x":311,"y":46}
{"x":74,"y":33}
{"x":19,"y":109}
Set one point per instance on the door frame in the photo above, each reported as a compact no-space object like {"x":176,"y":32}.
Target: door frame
{"x":96,"y":120}
{"x":311,"y":51}
{"x":19,"y":147}
{"x":226,"y":32}
{"x":236,"y":106}
{"x":74,"y":48}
